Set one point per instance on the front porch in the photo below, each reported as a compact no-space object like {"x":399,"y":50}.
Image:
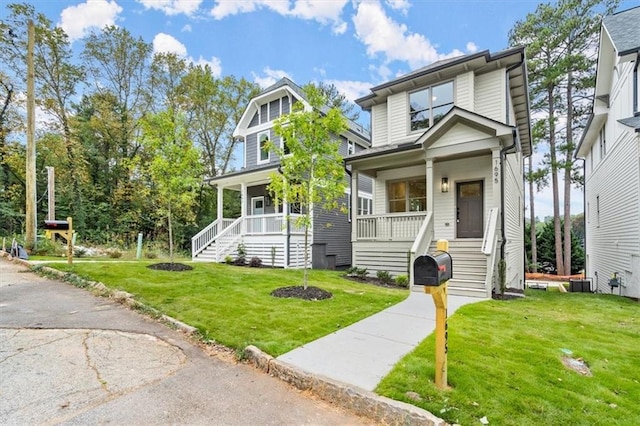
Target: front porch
{"x":274,"y":238}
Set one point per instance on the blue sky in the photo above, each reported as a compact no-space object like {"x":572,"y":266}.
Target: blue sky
{"x":354,"y":44}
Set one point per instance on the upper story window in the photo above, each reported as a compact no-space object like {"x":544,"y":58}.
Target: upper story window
{"x":427,"y":106}
{"x":263,"y":151}
{"x":603,"y":141}
{"x":351,"y":148}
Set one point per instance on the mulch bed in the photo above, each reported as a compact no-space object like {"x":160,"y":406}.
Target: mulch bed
{"x":374,"y":281}
{"x":175,"y":267}
{"x":509,"y":294}
{"x":299,"y":292}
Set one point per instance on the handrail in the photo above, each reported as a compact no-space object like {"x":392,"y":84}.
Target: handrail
{"x":203,"y":238}
{"x":421,"y":243}
{"x":233,"y":231}
{"x":490,"y":231}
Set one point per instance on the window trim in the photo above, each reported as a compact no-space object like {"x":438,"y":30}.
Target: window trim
{"x":406,"y":195}
{"x":259,"y":148}
{"x":429,"y":96}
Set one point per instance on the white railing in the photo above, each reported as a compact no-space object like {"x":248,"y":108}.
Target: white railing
{"x":421,"y":243}
{"x":489,"y":246}
{"x":390,"y":227}
{"x":205,"y":237}
{"x":272,"y":224}
{"x":228,"y":238}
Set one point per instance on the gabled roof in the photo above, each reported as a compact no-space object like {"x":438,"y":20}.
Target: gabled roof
{"x":460,"y":115}
{"x":624,"y":30}
{"x":279,"y":88}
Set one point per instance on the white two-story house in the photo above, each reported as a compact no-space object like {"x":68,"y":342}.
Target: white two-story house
{"x":610,"y":147}
{"x":262,"y":227}
{"x":446,"y":160}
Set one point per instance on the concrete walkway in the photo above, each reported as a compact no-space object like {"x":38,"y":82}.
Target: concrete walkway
{"x":363,"y":353}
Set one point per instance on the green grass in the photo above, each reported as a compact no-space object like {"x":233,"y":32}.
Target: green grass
{"x":233,"y":305}
{"x":504,"y":362}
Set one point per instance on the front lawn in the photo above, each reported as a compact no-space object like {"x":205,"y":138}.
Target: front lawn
{"x":505,"y":363}
{"x":233,"y":305}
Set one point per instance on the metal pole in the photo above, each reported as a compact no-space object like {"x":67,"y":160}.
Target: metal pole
{"x":51,"y":193}
{"x":30,"y":176}
{"x":139,"y":250}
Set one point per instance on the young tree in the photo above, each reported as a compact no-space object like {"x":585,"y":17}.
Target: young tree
{"x":174,"y":167}
{"x":312,"y":173}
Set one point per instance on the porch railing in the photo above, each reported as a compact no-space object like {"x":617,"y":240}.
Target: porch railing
{"x":272,"y":224}
{"x":489,"y":246}
{"x":228,"y":238}
{"x":390,"y":227}
{"x":205,"y":237}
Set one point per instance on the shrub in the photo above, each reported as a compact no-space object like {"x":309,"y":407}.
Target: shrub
{"x":114,"y":254}
{"x":240,"y":261}
{"x":228,"y":260}
{"x":356,"y":272}
{"x":46,"y":247}
{"x":384,"y":277}
{"x":241,"y":250}
{"x":255,"y":262}
{"x":402,"y":281}
{"x":151,"y":255}
{"x":80,"y":252}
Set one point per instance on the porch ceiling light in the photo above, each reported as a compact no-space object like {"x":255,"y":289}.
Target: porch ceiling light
{"x":444,"y":185}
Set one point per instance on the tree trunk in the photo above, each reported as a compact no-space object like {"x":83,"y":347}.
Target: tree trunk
{"x":534,"y":241}
{"x":306,"y":253}
{"x":567,"y":176}
{"x":554,"y":184}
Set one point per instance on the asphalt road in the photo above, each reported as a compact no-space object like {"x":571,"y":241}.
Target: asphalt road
{"x":69,"y":357}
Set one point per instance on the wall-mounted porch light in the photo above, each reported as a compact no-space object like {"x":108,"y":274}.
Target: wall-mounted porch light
{"x":267,"y":200}
{"x":444,"y":185}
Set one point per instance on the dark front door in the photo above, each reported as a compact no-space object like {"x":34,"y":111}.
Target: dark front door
{"x":470,"y":207}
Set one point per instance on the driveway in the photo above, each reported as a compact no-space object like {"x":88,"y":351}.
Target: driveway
{"x":67,"y":356}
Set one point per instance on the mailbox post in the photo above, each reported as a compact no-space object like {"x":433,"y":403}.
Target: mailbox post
{"x":434,"y":271}
{"x":64,"y":228}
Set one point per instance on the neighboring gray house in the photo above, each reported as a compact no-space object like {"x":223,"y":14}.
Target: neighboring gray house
{"x":448,"y":143}
{"x":262,"y":227}
{"x":610,"y":147}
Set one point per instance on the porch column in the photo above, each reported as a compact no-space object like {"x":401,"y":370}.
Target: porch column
{"x":243,"y":207}
{"x":430,"y":184}
{"x":220,"y":203}
{"x":354,"y":205}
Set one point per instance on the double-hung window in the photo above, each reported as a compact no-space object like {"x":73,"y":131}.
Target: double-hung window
{"x":427,"y":106}
{"x":407,"y":195}
{"x":263,"y":151}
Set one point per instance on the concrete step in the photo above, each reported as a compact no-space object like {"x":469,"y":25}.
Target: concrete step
{"x":466,"y":283}
{"x":466,"y":276}
{"x":469,"y":292}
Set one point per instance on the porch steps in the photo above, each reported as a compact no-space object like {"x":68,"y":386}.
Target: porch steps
{"x":469,"y":267}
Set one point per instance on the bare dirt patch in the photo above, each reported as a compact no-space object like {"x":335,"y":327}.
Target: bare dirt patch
{"x":175,"y":267}
{"x":299,"y":292}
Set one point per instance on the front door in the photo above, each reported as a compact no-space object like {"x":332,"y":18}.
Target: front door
{"x":469,"y":210}
{"x":257,"y":209}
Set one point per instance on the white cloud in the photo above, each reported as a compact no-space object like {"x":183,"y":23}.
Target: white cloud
{"x":270,"y":77}
{"x":172,"y":7}
{"x":164,"y":43}
{"x":77,"y":20}
{"x":401,"y":5}
{"x":186,"y":29}
{"x":320,"y":71}
{"x":224,"y":8}
{"x":214,"y":64}
{"x":471,"y":47}
{"x":351,"y":89}
{"x":324,"y":12}
{"x":382,"y":35}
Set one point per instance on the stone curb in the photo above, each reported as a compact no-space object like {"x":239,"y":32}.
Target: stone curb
{"x":357,"y":400}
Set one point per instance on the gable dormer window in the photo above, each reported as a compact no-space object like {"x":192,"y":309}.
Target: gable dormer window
{"x":427,"y":106}
{"x":263,"y":151}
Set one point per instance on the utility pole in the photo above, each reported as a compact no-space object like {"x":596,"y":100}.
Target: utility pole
{"x":30,"y":176}
{"x":51,"y":193}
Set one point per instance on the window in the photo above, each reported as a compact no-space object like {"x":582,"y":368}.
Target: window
{"x":351,"y":149}
{"x":603,"y":142}
{"x":364,"y":205}
{"x":263,"y":152}
{"x":407,"y":195}
{"x":428,"y":106}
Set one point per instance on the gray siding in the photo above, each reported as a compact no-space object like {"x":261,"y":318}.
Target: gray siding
{"x":365,"y":184}
{"x":251,"y":146}
{"x":274,"y":110}
{"x":334,"y":229}
{"x":286,"y":108}
{"x":259,"y":191}
{"x":255,"y":120}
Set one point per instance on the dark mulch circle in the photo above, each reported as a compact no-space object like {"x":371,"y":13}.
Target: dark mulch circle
{"x":509,"y":294}
{"x":374,"y":281}
{"x":176,"y":267}
{"x":299,"y":292}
